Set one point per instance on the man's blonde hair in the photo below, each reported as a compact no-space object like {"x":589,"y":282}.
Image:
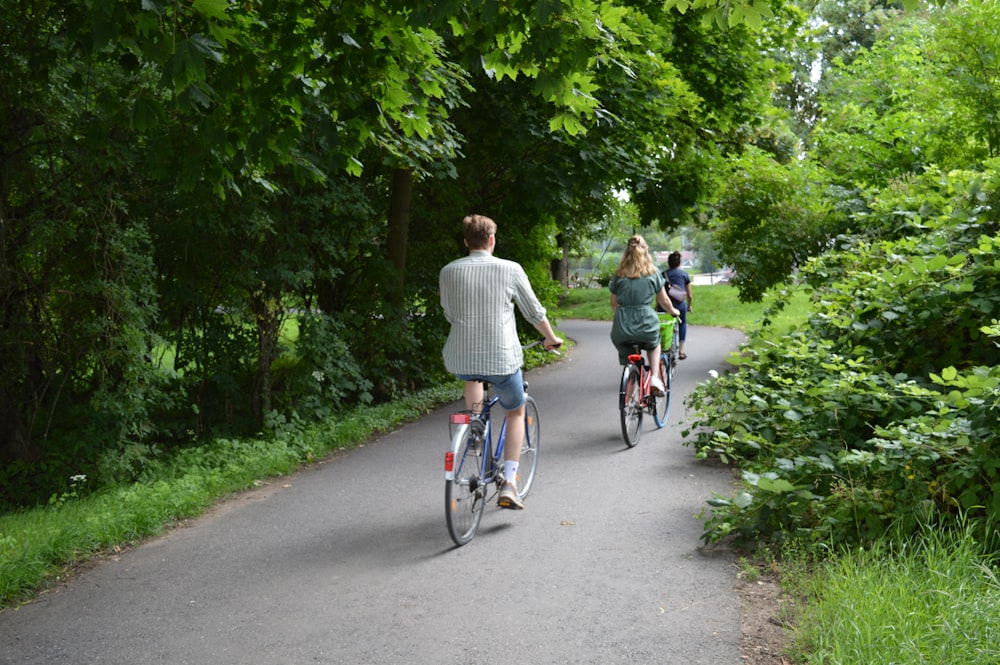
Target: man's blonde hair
{"x":477,"y":231}
{"x":636,"y":261}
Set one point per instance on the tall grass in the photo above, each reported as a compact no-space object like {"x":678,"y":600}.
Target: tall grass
{"x":933,"y":601}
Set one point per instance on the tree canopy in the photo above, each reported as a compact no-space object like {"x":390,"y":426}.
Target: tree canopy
{"x":212,"y":210}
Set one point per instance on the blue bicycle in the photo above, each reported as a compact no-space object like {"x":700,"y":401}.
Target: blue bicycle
{"x":473,"y":468}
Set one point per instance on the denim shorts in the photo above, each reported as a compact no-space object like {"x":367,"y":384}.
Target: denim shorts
{"x":508,"y":388}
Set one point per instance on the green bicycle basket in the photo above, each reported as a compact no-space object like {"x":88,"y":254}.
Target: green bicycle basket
{"x":666,"y":328}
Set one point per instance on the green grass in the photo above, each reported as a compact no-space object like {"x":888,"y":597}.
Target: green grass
{"x":935,"y":602}
{"x":716,"y":305}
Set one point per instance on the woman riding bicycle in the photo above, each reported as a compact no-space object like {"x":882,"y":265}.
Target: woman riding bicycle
{"x":675,"y":276}
{"x":634,"y":286}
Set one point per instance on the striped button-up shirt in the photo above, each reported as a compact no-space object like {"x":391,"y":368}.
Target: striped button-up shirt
{"x":478,"y":293}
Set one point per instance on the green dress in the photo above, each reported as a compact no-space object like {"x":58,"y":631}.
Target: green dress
{"x":635,"y":321}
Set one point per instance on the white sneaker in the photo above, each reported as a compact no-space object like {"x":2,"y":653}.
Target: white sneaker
{"x":509,"y":498}
{"x":655,"y":385}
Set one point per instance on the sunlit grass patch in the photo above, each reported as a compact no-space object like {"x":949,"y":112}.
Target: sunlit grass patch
{"x":715,"y":305}
{"x":933,"y":600}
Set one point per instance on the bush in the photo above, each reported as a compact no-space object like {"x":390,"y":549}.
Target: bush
{"x":882,"y":410}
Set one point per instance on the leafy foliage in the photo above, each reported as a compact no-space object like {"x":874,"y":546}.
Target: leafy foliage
{"x":971,"y":64}
{"x":770,"y":218}
{"x":882,"y":411}
{"x":888,"y":112}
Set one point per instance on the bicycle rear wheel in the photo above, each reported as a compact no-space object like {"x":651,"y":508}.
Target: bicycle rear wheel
{"x":529,"y":449}
{"x":465,"y":495}
{"x":628,"y":402}
{"x":661,"y":402}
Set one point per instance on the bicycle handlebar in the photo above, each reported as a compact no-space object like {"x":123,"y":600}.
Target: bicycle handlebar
{"x":540,"y":340}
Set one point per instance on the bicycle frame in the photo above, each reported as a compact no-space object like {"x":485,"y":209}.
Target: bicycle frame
{"x":467,"y":488}
{"x":645,"y":375}
{"x":461,"y":422}
{"x":636,"y":398}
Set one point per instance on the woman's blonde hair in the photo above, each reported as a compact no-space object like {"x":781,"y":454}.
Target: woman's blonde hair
{"x":636,"y":261}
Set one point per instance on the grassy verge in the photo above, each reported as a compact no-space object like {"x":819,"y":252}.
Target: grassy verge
{"x":935,"y":600}
{"x":39,"y":543}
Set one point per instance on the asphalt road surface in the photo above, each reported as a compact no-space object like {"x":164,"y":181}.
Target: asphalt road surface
{"x":350,"y":561}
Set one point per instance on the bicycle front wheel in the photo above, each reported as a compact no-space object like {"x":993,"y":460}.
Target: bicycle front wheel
{"x":661,"y":403}
{"x":465,"y":495}
{"x":674,"y":349}
{"x":529,"y":449}
{"x":629,"y":404}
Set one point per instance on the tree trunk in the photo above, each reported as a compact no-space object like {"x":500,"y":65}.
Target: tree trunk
{"x":399,"y":221}
{"x":559,"y":267}
{"x":268,"y":318}
{"x":396,"y":241}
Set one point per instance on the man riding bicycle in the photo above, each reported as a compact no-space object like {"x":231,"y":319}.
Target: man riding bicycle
{"x":478,"y":293}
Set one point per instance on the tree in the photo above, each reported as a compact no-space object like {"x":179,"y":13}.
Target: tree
{"x":971,"y":69}
{"x":770,"y":218}
{"x":888,"y":114}
{"x":731,"y":73}
{"x":177,"y":177}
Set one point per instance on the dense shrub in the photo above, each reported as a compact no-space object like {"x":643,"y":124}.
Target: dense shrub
{"x":883,"y":410}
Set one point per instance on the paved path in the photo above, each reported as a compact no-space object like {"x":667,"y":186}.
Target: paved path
{"x":350,"y":561}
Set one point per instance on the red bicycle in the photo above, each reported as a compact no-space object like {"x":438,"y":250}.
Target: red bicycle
{"x":635,"y":397}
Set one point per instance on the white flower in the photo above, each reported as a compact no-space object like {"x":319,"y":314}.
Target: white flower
{"x":712,"y":373}
{"x":78,"y":478}
{"x":318,"y":375}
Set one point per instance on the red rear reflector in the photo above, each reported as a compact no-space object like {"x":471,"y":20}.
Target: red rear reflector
{"x":449,"y":461}
{"x":460,"y":419}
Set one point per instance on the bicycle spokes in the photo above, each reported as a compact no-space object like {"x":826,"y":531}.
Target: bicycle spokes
{"x":472,"y":467}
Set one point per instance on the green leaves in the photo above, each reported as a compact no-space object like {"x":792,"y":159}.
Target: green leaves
{"x":222,"y":135}
{"x":770,"y":218}
{"x":885,"y":408}
{"x":186,"y":69}
{"x":726,"y":13}
{"x":215,"y":9}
